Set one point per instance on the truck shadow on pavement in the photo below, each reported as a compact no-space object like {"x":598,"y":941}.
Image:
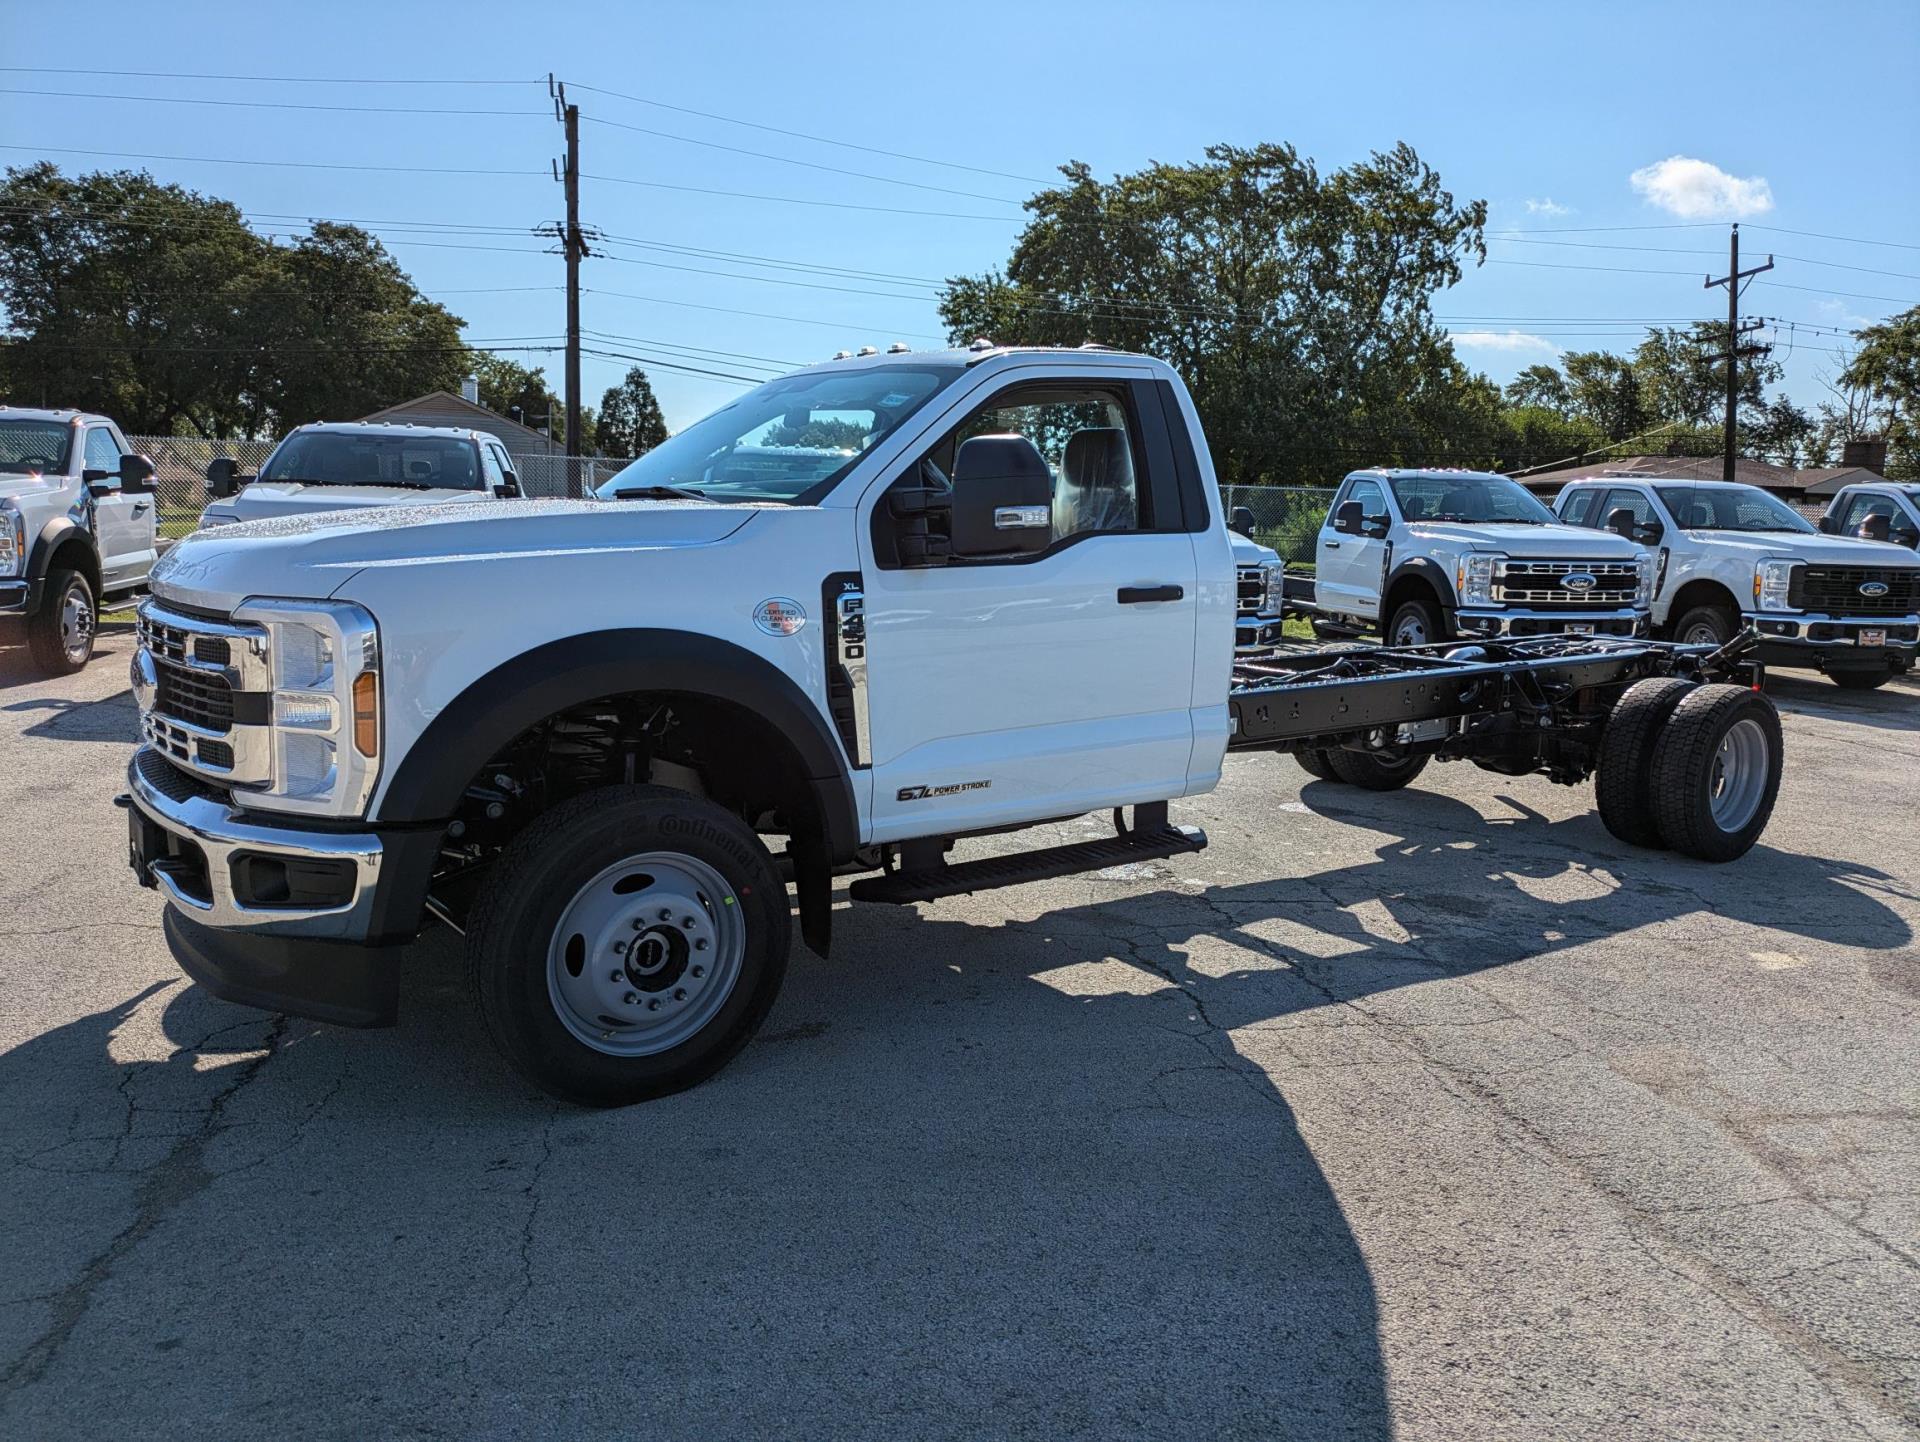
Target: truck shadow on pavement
{"x":1032,"y":1178}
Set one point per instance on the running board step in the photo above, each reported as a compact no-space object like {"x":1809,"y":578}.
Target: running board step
{"x":900,"y":887}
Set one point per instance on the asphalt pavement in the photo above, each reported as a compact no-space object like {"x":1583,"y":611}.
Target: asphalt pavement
{"x":1438,"y":1114}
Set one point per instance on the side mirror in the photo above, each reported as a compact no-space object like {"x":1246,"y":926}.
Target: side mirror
{"x":1002,"y":498}
{"x":512,"y":488}
{"x":100,"y":483}
{"x":1242,"y":521}
{"x":136,"y":475}
{"x":1348,"y":517}
{"x":1648,"y":533}
{"x":1875,"y":528}
{"x":1905,"y":536}
{"x":1828,"y":525}
{"x":1621,"y":522}
{"x":223,"y":477}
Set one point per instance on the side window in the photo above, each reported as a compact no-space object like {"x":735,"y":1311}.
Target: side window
{"x":1373,"y":500}
{"x":103,"y":451}
{"x":491,"y":472}
{"x":1622,"y":499}
{"x":1578,"y":510}
{"x":1086,"y":436}
{"x":1861,"y":506}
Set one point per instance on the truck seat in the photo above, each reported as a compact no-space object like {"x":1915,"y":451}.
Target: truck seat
{"x":1096,"y":483}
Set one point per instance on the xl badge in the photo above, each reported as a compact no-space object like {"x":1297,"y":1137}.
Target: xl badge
{"x":779,"y":616}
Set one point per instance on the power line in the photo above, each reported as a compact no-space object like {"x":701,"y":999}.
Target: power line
{"x":1843,"y":294}
{"x":796,"y":200}
{"x":265,"y":79}
{"x":859,"y":327}
{"x":261,"y":104}
{"x":817,"y":139}
{"x":1845,"y":239}
{"x":287,"y":164}
{"x":1862,"y":269}
{"x":790,"y":160}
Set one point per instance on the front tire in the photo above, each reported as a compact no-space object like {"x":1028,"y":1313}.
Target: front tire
{"x":1706,"y":626}
{"x":60,"y":634}
{"x":1315,"y":764}
{"x":1860,"y":680}
{"x":1716,"y":772}
{"x":631,"y":941}
{"x":1415,"y":623}
{"x":1374,"y":770}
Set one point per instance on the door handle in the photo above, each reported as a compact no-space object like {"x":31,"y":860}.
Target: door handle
{"x":1332,"y":545}
{"x":1134,"y":595}
{"x":140,"y":509}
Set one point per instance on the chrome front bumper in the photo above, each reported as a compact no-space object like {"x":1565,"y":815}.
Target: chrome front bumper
{"x":1508,"y":621}
{"x":209,"y":847}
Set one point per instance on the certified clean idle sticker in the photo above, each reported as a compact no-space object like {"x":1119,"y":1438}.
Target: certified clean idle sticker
{"x":780,"y":616}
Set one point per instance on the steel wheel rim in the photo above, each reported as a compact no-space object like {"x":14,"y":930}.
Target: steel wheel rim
{"x":646,"y":954}
{"x":76,"y":624}
{"x":1701,"y":633}
{"x":1739,"y":775}
{"x":1412,"y":630}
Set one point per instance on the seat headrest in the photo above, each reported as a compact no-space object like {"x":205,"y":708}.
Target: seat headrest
{"x":1415,"y":507}
{"x":1454,"y":502}
{"x":1096,"y":456}
{"x":1699,"y":516}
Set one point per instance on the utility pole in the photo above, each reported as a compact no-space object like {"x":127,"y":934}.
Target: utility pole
{"x":1731,"y":355}
{"x":574,"y":243}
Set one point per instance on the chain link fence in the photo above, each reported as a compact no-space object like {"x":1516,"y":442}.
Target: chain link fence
{"x":1287,"y":518}
{"x":180,"y":473}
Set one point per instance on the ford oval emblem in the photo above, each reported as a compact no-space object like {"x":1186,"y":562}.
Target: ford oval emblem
{"x":1873,"y":588}
{"x":1579,"y":581}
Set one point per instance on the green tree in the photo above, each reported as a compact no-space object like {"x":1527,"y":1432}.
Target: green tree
{"x":1539,"y":386}
{"x":1887,"y":369}
{"x":630,"y":420}
{"x":1296,"y":305}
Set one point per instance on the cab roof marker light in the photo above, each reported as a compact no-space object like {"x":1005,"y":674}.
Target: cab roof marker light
{"x":866,"y":350}
{"x":899,"y":347}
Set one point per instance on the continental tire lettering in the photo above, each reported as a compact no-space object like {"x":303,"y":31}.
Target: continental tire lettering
{"x":927,"y":793}
{"x":697,"y":829}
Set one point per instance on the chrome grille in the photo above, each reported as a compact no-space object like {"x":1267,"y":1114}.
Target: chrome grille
{"x":209,"y":706}
{"x":1541,"y":584}
{"x":1250,"y":593}
{"x":200,"y":698}
{"x":1835,"y":590}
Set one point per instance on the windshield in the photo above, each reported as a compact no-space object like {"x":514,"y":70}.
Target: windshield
{"x":1730,"y":508}
{"x":790,"y":439}
{"x":347,"y":458}
{"x":34,"y":447}
{"x":1481,"y":500}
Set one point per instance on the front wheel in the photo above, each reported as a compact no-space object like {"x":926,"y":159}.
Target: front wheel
{"x":1860,"y":680}
{"x":633,"y":939}
{"x":1414,"y":623}
{"x":60,"y":634}
{"x":1706,"y":626}
{"x":1315,"y":764}
{"x":1376,"y":770}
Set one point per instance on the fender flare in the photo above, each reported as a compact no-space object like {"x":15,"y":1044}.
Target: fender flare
{"x":521,"y":692}
{"x":56,"y":533}
{"x":1428,"y":570}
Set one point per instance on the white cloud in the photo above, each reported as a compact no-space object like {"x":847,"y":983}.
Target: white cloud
{"x":1507,"y":340}
{"x":1548,"y":206}
{"x":1699,"y":190}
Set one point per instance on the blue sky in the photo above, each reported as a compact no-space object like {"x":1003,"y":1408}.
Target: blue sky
{"x":1802,"y":118}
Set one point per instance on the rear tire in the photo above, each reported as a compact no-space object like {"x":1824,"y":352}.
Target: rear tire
{"x":1623,"y":774}
{"x":1859,"y":680}
{"x":1716,"y":772}
{"x":60,"y":634}
{"x":1374,"y":771}
{"x":689,"y":897}
{"x":1415,"y":623}
{"x":1315,"y":764}
{"x":1706,"y":626}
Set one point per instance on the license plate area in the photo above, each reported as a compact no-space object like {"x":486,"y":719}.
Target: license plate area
{"x":1873,"y":635}
{"x":1579,"y":628}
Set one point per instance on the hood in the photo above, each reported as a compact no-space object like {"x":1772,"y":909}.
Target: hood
{"x":14,"y":484}
{"x":282,"y":498}
{"x":1249,"y":552}
{"x":1818,"y":550}
{"x":1544,"y":542}
{"x":308,"y":555}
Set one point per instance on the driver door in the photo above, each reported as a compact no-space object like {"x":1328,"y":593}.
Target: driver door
{"x":124,"y":524}
{"x":1013,"y":689}
{"x":1349,"y":567}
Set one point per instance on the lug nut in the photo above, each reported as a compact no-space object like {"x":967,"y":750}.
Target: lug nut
{"x":679,"y":993}
{"x":698,"y":972}
{"x":616,"y":976}
{"x":631,"y":999}
{"x":666,"y":914}
{"x":699,"y":943}
{"x":654,"y":1005}
{"x":639,"y":923}
{"x":687,"y":922}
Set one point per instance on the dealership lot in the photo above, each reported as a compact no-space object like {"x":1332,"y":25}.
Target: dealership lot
{"x":1438,"y":1114}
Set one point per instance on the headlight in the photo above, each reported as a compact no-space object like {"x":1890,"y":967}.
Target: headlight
{"x":1474,"y":577}
{"x":210,"y":519}
{"x":325,"y":657}
{"x":1772,"y":580}
{"x":1274,"y":575}
{"x":1644,"y":586}
{"x":13,"y":541}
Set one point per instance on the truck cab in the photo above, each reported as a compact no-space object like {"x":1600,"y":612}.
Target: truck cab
{"x":333,"y":465}
{"x":1431,"y":555}
{"x":77,"y":527}
{"x":1877,"y":511}
{"x":1731,"y":556}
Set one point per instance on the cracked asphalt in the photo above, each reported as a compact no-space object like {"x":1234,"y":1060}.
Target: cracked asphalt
{"x":1431,"y":1115}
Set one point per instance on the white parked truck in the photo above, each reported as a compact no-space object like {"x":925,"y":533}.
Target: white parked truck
{"x":77,"y":527}
{"x":344,"y":465}
{"x":1730,"y":556}
{"x":603,"y":738}
{"x":1876,"y":511}
{"x":1423,"y":556}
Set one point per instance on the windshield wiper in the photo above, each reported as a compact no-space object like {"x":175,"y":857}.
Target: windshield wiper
{"x":376,"y":481}
{"x":658,"y":493}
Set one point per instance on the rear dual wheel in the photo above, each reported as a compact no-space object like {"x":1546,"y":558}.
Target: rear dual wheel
{"x":1693,"y":769}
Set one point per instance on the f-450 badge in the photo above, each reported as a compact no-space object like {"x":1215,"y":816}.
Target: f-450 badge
{"x":927,"y":793}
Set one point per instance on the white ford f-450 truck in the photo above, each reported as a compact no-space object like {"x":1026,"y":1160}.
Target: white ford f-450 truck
{"x":1732,"y":556}
{"x":603,"y":738}
{"x":1420,"y":556}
